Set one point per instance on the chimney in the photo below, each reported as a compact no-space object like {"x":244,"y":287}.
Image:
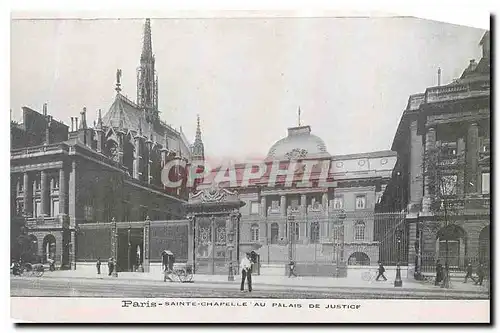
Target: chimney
{"x":76,"y":123}
{"x":439,"y":76}
{"x":45,"y":109}
{"x":72,"y":126}
{"x":83,"y":122}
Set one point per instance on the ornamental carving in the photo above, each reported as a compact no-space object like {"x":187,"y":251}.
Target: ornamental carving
{"x":221,"y":235}
{"x":214,"y":195}
{"x":296,"y":153}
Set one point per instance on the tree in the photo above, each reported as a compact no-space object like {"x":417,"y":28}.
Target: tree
{"x":443,"y":165}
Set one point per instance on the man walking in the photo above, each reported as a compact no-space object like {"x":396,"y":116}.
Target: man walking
{"x":98,"y":265}
{"x":381,"y":271}
{"x":292,"y":269}
{"x":111,"y":266}
{"x":246,"y":273}
{"x":468,"y":273}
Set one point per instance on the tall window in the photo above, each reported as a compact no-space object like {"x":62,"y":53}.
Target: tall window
{"x":337,"y":232}
{"x":55,"y":208}
{"x":360,"y":202}
{"x":338,"y":202}
{"x":359,"y":231}
{"x":274,"y":233}
{"x":314,"y":232}
{"x":254,"y":207}
{"x":294,"y":230}
{"x":485,"y":183}
{"x":448,"y":185}
{"x":254,"y":233}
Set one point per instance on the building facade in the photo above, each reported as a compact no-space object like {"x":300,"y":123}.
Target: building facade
{"x":302,"y":218}
{"x":69,"y":183}
{"x":442,"y":175}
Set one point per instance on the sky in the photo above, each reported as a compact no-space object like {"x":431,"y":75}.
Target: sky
{"x":246,"y":78}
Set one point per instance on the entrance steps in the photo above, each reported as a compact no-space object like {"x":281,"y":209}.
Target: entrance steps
{"x":272,"y":269}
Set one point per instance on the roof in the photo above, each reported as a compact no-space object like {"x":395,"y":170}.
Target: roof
{"x":299,"y":143}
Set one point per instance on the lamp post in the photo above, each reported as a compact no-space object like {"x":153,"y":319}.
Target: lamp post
{"x":230,"y":244}
{"x":114,"y":245}
{"x":339,"y":241}
{"x":291,"y":236}
{"x":398,"y":282}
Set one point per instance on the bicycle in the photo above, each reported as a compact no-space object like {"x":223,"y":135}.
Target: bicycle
{"x":370,"y":275}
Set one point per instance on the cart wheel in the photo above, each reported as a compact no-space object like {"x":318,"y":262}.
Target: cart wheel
{"x":366,"y":276}
{"x":38,"y":273}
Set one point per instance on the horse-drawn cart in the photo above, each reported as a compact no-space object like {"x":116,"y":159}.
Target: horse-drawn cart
{"x":175,"y":272}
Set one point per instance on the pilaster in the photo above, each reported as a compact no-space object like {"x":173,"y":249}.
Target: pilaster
{"x":62,"y":191}
{"x":43,"y":193}
{"x":28,"y":195}
{"x":472,"y":158}
{"x":72,"y":194}
{"x":263,"y":224}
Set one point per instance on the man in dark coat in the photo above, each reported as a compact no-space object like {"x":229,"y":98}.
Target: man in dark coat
{"x":381,"y":271}
{"x":468,"y":273}
{"x":98,"y":265}
{"x":480,"y":275}
{"x":111,"y":266}
{"x":439,"y":273}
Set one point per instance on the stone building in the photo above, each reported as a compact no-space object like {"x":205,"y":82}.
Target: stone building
{"x":69,"y":183}
{"x":301,"y":217}
{"x":451,"y":121}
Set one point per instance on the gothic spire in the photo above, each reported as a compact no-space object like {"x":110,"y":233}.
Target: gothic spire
{"x":99,"y":119}
{"x":147,"y":48}
{"x":198,"y":148}
{"x":198,"y":130}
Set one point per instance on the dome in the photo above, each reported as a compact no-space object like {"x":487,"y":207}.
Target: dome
{"x":299,"y":143}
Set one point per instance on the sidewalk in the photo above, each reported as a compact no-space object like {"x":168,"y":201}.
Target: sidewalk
{"x":295,"y":282}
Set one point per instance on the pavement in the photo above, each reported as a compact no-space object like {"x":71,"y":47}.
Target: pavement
{"x":284,"y":283}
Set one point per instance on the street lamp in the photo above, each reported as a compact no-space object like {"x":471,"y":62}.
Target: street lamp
{"x":291,"y":236}
{"x":114,"y":246}
{"x":129,"y":248}
{"x":339,"y":241}
{"x":398,"y":282}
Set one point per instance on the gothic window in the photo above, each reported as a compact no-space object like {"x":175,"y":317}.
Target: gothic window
{"x":314,"y":232}
{"x":359,"y":231}
{"x":338,"y":202}
{"x":254,"y":207}
{"x":254,"y":233}
{"x":485,"y":183}
{"x":448,"y":185}
{"x":360,"y":202}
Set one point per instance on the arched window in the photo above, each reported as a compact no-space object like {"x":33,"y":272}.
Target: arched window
{"x":314,"y":232}
{"x":359,"y":231}
{"x":254,"y":232}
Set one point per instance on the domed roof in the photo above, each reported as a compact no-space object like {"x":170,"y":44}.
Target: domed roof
{"x":299,"y":143}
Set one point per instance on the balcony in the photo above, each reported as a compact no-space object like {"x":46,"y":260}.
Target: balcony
{"x":457,"y":91}
{"x":44,"y":221}
{"x":276,"y":210}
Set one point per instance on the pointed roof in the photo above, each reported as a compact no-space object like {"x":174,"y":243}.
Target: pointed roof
{"x":147,"y":48}
{"x":198,"y":130}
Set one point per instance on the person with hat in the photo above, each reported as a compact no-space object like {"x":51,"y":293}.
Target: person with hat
{"x":246,"y":272}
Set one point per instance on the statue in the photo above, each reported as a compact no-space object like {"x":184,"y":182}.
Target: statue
{"x":118,"y":76}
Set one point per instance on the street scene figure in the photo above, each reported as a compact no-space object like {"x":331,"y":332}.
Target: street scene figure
{"x":246,"y":272}
{"x":480,"y":274}
{"x":292,"y":269}
{"x":381,"y":271}
{"x":439,"y":273}
{"x":98,"y":265}
{"x":111,"y":266}
{"x":468,"y":273}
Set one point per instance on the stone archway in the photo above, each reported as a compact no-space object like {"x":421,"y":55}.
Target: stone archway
{"x":484,"y":245}
{"x":451,"y":246}
{"x":48,"y":248}
{"x":358,"y":258}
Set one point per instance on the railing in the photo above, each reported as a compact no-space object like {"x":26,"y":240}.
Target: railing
{"x":315,"y":208}
{"x":37,"y":149}
{"x":443,"y":93}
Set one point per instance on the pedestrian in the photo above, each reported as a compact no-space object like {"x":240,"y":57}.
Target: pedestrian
{"x":439,"y":273}
{"x":111,"y":266}
{"x":292,"y":269}
{"x":468,"y":273}
{"x":381,"y":271}
{"x":480,"y":275}
{"x":98,"y":265}
{"x":246,"y":273}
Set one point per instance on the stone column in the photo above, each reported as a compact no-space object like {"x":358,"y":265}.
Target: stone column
{"x":324,"y":223}
{"x":263,"y":235}
{"x":472,"y":158}
{"x":430,"y":145}
{"x":213,"y":238}
{"x":72,"y":194}
{"x":149,"y":161}
{"x":283,"y":218}
{"x":62,"y":192}
{"x":137,"y":158}
{"x":416,"y":161}
{"x":461,"y":161}
{"x":190,"y":240}
{"x":72,"y":249}
{"x":43,"y":194}
{"x":304,"y":224}
{"x":28,"y":195}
